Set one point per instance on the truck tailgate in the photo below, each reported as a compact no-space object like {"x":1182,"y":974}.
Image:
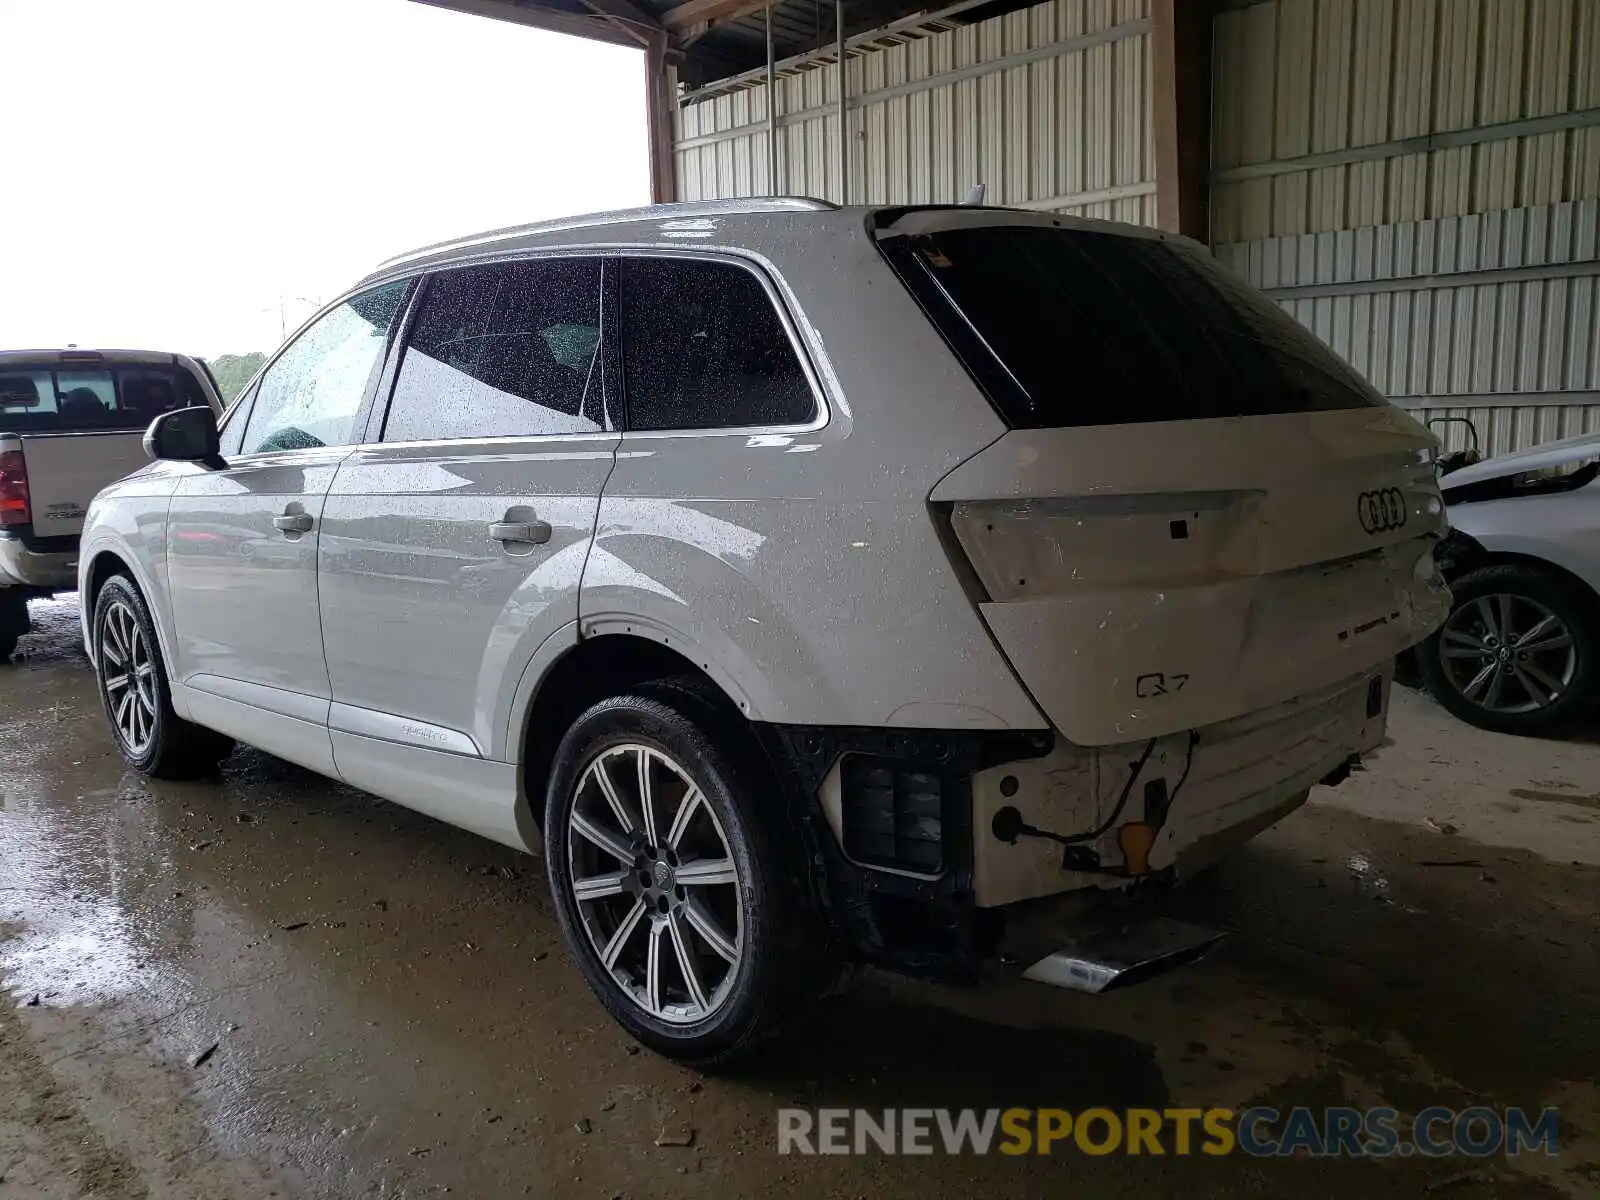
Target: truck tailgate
{"x":65,"y":470}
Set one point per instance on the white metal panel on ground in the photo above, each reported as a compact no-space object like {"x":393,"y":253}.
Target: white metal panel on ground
{"x":1048,"y":107}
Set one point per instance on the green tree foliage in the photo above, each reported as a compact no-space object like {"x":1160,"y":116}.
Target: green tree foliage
{"x":233,"y":371}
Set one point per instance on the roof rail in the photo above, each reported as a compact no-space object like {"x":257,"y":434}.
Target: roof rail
{"x":691,"y":208}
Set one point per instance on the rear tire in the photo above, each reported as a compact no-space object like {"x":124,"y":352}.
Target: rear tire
{"x":14,"y":621}
{"x":701,"y":972}
{"x":1518,"y":634}
{"x":133,"y":686}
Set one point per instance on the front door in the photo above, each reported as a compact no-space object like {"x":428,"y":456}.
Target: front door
{"x":242,"y":541}
{"x":455,"y":544}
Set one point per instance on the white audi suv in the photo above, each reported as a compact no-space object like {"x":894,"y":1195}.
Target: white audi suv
{"x":813,"y":584}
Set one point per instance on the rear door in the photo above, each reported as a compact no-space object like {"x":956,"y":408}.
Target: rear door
{"x":454,"y":541}
{"x":81,"y":421}
{"x":242,"y":542}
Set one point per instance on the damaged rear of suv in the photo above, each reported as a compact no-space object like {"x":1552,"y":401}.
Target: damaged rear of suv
{"x":813,"y":583}
{"x":1096,"y":563}
{"x":1197,"y":542}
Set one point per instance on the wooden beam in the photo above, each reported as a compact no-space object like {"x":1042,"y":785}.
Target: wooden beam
{"x":699,"y":12}
{"x":658,"y":97}
{"x":625,"y":17}
{"x":1180,"y":35}
{"x":594,"y":28}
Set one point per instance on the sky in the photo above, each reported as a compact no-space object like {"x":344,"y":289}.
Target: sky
{"x":188,"y":175}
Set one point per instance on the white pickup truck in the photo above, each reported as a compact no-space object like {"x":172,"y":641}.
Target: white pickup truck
{"x":72,"y":421}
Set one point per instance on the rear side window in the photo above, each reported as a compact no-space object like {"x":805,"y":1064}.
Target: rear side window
{"x":703,"y":347}
{"x":53,"y":398}
{"x":1068,"y":327}
{"x":509,"y":350}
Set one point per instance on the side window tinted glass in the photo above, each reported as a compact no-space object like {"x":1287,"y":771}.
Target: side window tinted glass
{"x":704,"y":348}
{"x":310,"y":396}
{"x":507,"y":350}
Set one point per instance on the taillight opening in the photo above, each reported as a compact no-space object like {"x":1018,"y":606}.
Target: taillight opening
{"x":14,"y":504}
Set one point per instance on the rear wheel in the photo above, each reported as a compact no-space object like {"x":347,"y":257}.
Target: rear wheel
{"x":1519,"y":652}
{"x":13,"y":621}
{"x":137,"y":697}
{"x":673,"y":890}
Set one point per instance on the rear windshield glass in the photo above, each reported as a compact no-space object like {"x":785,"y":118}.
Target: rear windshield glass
{"x":1072,"y":327}
{"x":58,"y":398}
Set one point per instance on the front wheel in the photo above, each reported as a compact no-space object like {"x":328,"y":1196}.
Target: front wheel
{"x":673,"y":891}
{"x":1519,"y":652}
{"x":150,"y":736}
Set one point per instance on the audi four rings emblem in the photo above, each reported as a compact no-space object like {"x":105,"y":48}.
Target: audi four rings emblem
{"x":1382,"y":510}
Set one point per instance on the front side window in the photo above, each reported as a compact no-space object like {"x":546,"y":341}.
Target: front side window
{"x":703,"y":347}
{"x":312,"y":394}
{"x":505,"y":350}
{"x":45,"y":398}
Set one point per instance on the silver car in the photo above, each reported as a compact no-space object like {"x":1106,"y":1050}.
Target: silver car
{"x":1520,"y":651}
{"x":812,"y":583}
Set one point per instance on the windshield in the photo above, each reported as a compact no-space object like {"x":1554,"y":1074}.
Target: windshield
{"x":56,"y":398}
{"x":1068,"y":327}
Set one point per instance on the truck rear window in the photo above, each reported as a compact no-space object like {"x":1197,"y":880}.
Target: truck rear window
{"x":1065,"y":327}
{"x":57,"y":398}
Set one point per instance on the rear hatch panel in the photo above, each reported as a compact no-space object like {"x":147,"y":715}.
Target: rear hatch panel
{"x":1199,"y":510}
{"x":1148,"y":579}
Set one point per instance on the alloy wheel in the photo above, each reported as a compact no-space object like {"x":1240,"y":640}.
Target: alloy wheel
{"x":1508,"y":654}
{"x":128,"y":678}
{"x":656,"y":885}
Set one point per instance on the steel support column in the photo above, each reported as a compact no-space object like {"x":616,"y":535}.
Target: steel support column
{"x":844,"y":118}
{"x":772,"y":112}
{"x":1180,"y":35}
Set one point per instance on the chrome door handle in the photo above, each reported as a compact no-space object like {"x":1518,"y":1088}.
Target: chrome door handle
{"x":534,"y":533}
{"x":293,"y":522}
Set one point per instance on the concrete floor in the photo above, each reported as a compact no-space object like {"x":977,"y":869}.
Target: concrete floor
{"x":394,"y":1015}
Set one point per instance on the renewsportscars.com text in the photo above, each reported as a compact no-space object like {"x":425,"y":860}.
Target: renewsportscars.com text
{"x":1262,"y":1132}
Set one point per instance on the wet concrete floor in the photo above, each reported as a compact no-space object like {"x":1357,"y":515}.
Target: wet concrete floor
{"x":272,"y":985}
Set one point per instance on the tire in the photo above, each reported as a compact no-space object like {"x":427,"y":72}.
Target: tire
{"x":761,"y":912}
{"x":14,"y":621}
{"x":1523,"y":598}
{"x":153,"y":739}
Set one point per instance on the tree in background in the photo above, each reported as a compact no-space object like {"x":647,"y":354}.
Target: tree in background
{"x":233,"y":371}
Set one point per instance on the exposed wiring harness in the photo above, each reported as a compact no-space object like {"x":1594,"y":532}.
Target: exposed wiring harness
{"x":1010,"y":829}
{"x":1122,"y":801}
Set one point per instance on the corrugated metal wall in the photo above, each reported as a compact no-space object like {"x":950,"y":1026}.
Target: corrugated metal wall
{"x":1414,"y":179}
{"x":1497,"y":312}
{"x":1048,"y":107}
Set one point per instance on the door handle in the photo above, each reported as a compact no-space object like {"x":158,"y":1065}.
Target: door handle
{"x":533,"y":533}
{"x":293,"y":522}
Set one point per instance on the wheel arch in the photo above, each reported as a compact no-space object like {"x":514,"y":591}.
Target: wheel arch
{"x":103,"y":563}
{"x":589,"y":671}
{"x":1517,"y":558}
{"x":1515,"y":547}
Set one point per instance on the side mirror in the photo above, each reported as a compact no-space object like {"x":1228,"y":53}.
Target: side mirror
{"x":186,"y":435}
